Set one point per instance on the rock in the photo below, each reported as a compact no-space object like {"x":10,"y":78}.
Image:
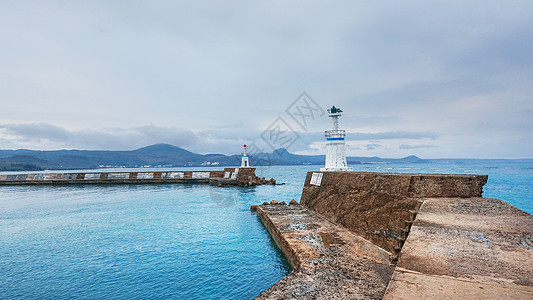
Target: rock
{"x":293,"y":202}
{"x":272,"y":181}
{"x":253,"y":208}
{"x":282,"y":203}
{"x":265,"y":203}
{"x":273,"y":202}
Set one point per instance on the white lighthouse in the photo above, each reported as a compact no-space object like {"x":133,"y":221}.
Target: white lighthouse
{"x":244,"y":160}
{"x":335,"y":153}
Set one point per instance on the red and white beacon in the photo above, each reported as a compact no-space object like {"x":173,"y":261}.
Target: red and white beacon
{"x":245,"y":163}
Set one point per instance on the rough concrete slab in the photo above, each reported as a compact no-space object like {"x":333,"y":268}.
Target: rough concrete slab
{"x":408,"y":286}
{"x":473,"y":247}
{"x":483,"y":213}
{"x":330,"y":262}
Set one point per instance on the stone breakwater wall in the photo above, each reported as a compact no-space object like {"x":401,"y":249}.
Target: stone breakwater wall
{"x":400,"y":236}
{"x":381,"y":206}
{"x":229,"y":176}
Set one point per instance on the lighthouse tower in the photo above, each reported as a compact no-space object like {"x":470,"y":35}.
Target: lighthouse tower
{"x":244,"y":161}
{"x":335,"y":153}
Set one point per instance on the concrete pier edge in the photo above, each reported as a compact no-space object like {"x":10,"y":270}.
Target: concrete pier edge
{"x":442,"y":240}
{"x":274,"y":232}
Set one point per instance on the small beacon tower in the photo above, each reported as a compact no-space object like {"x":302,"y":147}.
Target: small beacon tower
{"x":335,"y":153}
{"x":244,"y":161}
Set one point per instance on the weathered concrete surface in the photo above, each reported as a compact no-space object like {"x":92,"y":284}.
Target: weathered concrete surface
{"x":381,"y":206}
{"x":329,"y":261}
{"x":451,"y":243}
{"x":470,"y":248}
{"x":457,"y":248}
{"x":229,"y":176}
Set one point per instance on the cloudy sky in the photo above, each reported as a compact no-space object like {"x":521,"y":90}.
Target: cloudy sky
{"x":429,"y":78}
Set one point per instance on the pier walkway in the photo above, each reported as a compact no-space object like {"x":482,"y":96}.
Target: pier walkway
{"x":400,"y":236}
{"x":466,"y":248}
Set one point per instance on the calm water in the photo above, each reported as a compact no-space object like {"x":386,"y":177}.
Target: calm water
{"x":169,"y":241}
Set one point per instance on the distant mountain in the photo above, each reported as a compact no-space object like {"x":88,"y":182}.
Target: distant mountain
{"x":375,"y":159}
{"x":160,"y":155}
{"x":25,"y":163}
{"x":477,"y":160}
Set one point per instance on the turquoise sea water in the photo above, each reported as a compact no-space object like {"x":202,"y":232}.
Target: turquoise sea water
{"x":170,"y":241}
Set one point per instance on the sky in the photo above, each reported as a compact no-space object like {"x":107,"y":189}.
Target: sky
{"x":436,"y":79}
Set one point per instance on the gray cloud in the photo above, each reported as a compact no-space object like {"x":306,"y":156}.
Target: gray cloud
{"x":453,"y":72}
{"x":388,"y":135}
{"x":220,"y":141}
{"x":404,"y":146}
{"x":110,"y":138}
{"x":372,"y":146}
{"x":37,"y":131}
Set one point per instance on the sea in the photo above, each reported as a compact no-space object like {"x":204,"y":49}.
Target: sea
{"x":173,"y":241}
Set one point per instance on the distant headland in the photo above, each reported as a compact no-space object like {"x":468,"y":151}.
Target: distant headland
{"x":158,"y":155}
{"x":164,"y":155}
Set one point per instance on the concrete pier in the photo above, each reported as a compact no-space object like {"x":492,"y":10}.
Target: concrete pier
{"x":229,"y":176}
{"x":329,"y":261}
{"x":470,"y":248}
{"x":400,"y":236}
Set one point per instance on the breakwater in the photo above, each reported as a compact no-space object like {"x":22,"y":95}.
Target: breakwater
{"x":228,"y":176}
{"x":400,"y":236}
